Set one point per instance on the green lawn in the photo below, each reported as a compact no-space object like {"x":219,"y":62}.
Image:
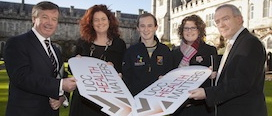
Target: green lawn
{"x":65,"y":111}
{"x":4,"y":94}
{"x":268,"y":96}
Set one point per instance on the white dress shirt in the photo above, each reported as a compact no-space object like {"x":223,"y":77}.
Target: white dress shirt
{"x":41,"y":39}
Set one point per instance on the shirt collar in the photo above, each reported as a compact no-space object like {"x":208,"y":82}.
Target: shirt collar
{"x":39,"y":36}
{"x":233,"y":39}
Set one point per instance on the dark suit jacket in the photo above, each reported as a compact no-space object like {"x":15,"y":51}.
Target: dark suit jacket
{"x":240,"y":86}
{"x":31,"y":77}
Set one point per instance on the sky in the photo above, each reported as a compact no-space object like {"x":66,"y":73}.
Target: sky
{"x":125,"y":6}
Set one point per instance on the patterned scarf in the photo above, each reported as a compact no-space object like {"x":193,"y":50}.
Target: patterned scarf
{"x":188,"y":52}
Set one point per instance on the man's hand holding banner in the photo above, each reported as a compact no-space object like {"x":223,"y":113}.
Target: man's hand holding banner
{"x":166,"y":95}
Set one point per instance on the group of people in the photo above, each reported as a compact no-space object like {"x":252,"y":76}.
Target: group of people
{"x":235,"y":88}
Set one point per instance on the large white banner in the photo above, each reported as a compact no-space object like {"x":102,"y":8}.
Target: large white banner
{"x":166,"y":95}
{"x":101,"y":84}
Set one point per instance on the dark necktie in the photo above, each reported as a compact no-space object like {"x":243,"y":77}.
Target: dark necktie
{"x":51,"y":56}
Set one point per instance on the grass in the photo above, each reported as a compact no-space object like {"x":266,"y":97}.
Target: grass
{"x":65,"y":111}
{"x":268,"y":96}
{"x":3,"y":91}
{"x":4,"y":94}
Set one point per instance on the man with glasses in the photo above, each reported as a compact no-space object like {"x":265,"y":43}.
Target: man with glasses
{"x":240,"y":78}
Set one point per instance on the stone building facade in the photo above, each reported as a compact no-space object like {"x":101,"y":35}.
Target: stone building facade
{"x":257,"y":16}
{"x":15,"y":19}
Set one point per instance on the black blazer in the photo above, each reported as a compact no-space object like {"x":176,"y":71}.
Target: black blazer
{"x":140,"y":70}
{"x":31,"y":77}
{"x":113,"y":54}
{"x":240,"y":86}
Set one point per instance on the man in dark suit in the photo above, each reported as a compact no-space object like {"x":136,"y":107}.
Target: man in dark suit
{"x":36,"y":85}
{"x":240,"y":79}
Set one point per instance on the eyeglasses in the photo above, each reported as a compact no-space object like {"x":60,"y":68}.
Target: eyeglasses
{"x":189,"y":28}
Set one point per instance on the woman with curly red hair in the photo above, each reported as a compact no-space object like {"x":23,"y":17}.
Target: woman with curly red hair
{"x":100,"y":39}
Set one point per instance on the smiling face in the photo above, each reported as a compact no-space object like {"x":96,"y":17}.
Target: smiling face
{"x":190,"y":32}
{"x":227,"y":23}
{"x":46,"y":22}
{"x":147,"y":28}
{"x":100,"y":22}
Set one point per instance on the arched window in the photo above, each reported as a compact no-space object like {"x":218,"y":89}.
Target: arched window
{"x":160,"y":2}
{"x":2,"y":45}
{"x":175,"y":28}
{"x":176,"y":3}
{"x":209,"y":20}
{"x":1,"y":26}
{"x":251,"y":11}
{"x":269,"y":43}
{"x":240,"y":8}
{"x":266,"y":7}
{"x":159,"y":23}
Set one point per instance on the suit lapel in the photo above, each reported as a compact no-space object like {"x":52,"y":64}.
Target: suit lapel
{"x":233,"y":49}
{"x":36,"y":43}
{"x":236,"y":44}
{"x":58,"y":54}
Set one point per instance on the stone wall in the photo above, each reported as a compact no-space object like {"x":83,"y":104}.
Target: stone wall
{"x":15,"y":19}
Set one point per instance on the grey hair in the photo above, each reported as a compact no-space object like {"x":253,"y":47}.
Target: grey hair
{"x":44,"y":5}
{"x":234,"y":9}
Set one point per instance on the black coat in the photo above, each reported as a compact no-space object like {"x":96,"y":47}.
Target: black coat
{"x":114,"y":53}
{"x":31,"y":77}
{"x":81,"y":106}
{"x":240,"y":87}
{"x":198,"y":107}
{"x":139,"y":70}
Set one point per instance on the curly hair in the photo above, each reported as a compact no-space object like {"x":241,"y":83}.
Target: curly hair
{"x":87,"y":31}
{"x":199,"y":24}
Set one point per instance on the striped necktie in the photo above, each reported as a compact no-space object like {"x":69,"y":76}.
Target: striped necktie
{"x":51,"y":57}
